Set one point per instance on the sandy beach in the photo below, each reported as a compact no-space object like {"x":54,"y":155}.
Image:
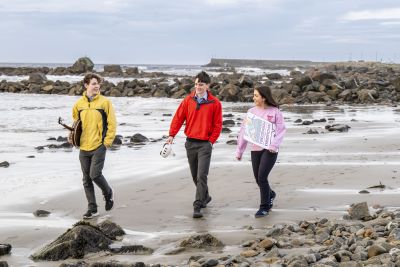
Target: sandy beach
{"x":316,"y":176}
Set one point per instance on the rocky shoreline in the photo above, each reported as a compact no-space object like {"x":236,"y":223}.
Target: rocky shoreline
{"x":338,"y":83}
{"x":361,"y":238}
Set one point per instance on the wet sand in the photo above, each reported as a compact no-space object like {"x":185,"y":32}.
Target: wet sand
{"x":316,"y":176}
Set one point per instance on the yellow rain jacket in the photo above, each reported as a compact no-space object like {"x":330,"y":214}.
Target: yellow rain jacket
{"x":98,"y":121}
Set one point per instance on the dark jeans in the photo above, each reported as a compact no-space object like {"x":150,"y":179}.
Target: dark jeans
{"x":92,"y":163}
{"x":263,"y":162}
{"x":199,"y":157}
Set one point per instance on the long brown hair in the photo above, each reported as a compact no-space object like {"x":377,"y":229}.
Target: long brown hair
{"x":265,"y":92}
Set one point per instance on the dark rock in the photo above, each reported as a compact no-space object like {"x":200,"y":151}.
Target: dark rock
{"x":338,"y":127}
{"x":228,"y":115}
{"x":113,"y":68}
{"x":41,"y":213}
{"x":3,"y":264}
{"x":226,"y":130}
{"x":117,"y":140}
{"x":83,"y":238}
{"x":298,"y":121}
{"x":228,"y":123}
{"x":4,"y":164}
{"x":312,"y":131}
{"x":231,"y":142}
{"x":62,"y":139}
{"x":30,"y":157}
{"x":5,"y":249}
{"x":210,"y":263}
{"x":138,"y":138}
{"x":133,"y":249}
{"x":37,"y":78}
{"x":132,"y":71}
{"x":274,"y":76}
{"x":307,"y":123}
{"x":51,"y":139}
{"x":78,"y":264}
{"x":111,"y":229}
{"x":82,"y":65}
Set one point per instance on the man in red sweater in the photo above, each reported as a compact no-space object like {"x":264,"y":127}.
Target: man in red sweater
{"x":203,"y":115}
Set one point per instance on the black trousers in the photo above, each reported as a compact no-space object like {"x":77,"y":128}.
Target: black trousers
{"x":92,"y":163}
{"x":263,"y":162}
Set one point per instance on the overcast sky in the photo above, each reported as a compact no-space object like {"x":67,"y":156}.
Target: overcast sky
{"x":191,"y":32}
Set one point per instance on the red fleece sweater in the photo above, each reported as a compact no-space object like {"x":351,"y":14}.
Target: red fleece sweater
{"x":203,"y":121}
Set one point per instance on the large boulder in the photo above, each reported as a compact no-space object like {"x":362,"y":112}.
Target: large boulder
{"x":83,"y":238}
{"x":113,"y":69}
{"x":37,"y":78}
{"x":82,"y":65}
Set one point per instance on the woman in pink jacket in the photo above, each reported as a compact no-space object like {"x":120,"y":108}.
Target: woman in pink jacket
{"x":263,"y":158}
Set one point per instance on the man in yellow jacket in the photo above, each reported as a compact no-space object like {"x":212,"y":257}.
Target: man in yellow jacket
{"x":98,"y":132}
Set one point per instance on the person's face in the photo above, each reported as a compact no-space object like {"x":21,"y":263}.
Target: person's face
{"x":200,"y":87}
{"x":259,"y":101}
{"x":93,"y":88}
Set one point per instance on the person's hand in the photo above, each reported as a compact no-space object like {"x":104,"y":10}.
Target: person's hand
{"x":169,"y":140}
{"x":238,"y":158}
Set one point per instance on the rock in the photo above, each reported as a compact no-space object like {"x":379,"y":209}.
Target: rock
{"x":226,"y":130}
{"x":83,"y":238}
{"x":367,"y":96}
{"x":37,"y":78}
{"x":138,"y":138}
{"x":113,"y":68}
{"x":249,"y":253}
{"x":5,"y":249}
{"x":82,"y":65}
{"x":228,"y":123}
{"x":115,"y":92}
{"x":201,"y":241}
{"x":174,"y":251}
{"x":3,"y":264}
{"x":312,"y":131}
{"x":246,"y":81}
{"x":132,"y":71}
{"x":117,"y":140}
{"x":133,"y":249}
{"x":266,"y":244}
{"x":41,"y":213}
{"x":4,"y":164}
{"x":111,"y":229}
{"x":231,"y":142}
{"x":62,"y":139}
{"x":375,"y":250}
{"x":359,"y":211}
{"x":210,"y":263}
{"x":338,"y":128}
{"x":274,"y":76}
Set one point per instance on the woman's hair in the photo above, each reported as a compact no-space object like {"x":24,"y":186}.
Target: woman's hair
{"x":88,"y":77}
{"x":265,"y":92}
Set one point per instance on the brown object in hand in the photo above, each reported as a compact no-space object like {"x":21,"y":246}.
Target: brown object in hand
{"x":74,"y":136}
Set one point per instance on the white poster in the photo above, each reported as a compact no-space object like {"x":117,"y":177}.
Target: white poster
{"x":258,"y":130}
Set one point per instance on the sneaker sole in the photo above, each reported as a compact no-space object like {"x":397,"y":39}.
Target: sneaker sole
{"x":260,"y":216}
{"x":197,"y":216}
{"x":91,"y":217}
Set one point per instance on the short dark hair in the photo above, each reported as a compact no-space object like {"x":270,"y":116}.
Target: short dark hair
{"x":88,"y":77}
{"x":266,"y":93}
{"x":203,"y":77}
